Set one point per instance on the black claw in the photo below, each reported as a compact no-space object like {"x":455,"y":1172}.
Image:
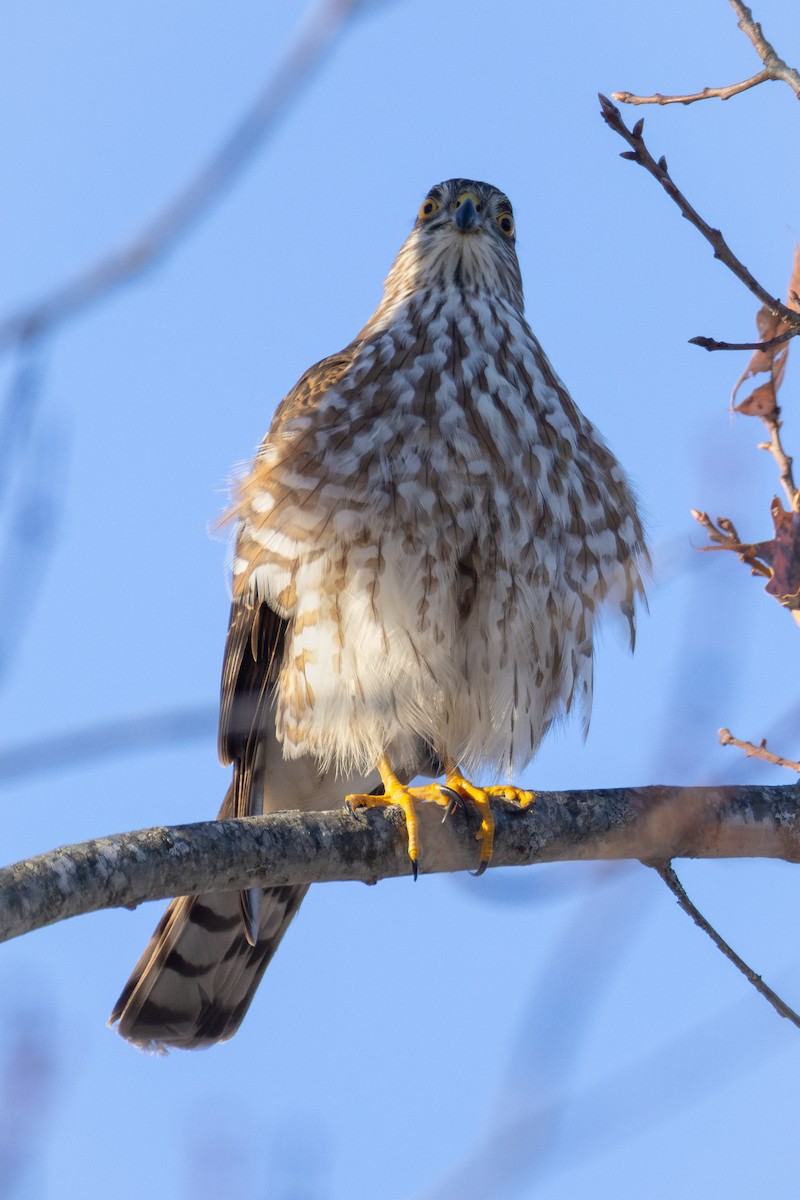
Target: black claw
{"x":454,"y":801}
{"x":415,"y":868}
{"x":481,"y":868}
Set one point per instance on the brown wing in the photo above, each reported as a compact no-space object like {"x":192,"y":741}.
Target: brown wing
{"x":200,"y":970}
{"x":304,"y":395}
{"x":256,"y":634}
{"x":253,"y":653}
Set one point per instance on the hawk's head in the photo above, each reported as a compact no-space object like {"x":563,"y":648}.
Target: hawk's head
{"x":463,"y":237}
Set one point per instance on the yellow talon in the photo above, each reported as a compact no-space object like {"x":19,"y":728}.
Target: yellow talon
{"x":481,"y":798}
{"x":395,"y":792}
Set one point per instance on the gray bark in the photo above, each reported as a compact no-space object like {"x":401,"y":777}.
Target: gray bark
{"x":654,"y":824}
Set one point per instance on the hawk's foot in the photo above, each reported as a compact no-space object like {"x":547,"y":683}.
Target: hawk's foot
{"x":455,"y":789}
{"x":481,"y":799}
{"x":395,"y":792}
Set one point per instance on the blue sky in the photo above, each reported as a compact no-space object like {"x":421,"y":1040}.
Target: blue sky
{"x":556,"y":1032}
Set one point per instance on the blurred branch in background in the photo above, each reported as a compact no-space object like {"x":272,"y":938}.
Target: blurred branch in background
{"x":519,"y":1135}
{"x":229,"y":1152}
{"x":28,"y":1077}
{"x":654,"y":1088}
{"x":774,"y":69}
{"x":32,"y":524}
{"x":32,"y":468}
{"x":216,"y":1149}
{"x":540,"y":1123}
{"x":589,"y":1122}
{"x":108,"y":739}
{"x":19,"y":410}
{"x":537,"y":1094}
{"x":317,"y":34}
{"x":300,"y":1158}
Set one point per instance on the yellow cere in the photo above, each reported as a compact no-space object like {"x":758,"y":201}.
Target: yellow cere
{"x":469,"y":196}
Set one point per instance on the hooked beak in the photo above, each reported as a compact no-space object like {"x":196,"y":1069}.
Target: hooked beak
{"x":466,"y":216}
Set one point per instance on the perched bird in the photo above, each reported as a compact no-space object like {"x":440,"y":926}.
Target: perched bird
{"x":424,"y":541}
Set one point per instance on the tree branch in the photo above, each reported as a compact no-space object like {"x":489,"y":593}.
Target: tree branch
{"x":774,"y":69}
{"x":726,"y":537}
{"x":774,"y":65}
{"x":679,"y":892}
{"x":655,"y":824}
{"x":640,"y":154}
{"x":726,"y":738}
{"x":707,"y":343}
{"x":775,"y":447}
{"x":708,"y":93}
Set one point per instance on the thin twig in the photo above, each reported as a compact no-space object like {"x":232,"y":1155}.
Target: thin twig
{"x":784,"y":460}
{"x":774,"y":69}
{"x":707,"y":343}
{"x":726,"y":738}
{"x":667,"y":873}
{"x":316,"y":36}
{"x":640,"y":154}
{"x":726,"y":537}
{"x":708,"y":93}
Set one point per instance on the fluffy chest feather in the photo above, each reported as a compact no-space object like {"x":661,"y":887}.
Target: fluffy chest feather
{"x":438,"y":526}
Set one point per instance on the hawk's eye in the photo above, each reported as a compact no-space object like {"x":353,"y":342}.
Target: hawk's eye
{"x":428,"y":207}
{"x":506,"y":223}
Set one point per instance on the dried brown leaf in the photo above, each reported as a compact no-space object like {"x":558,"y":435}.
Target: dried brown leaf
{"x":763,"y":400}
{"x":783,"y":555}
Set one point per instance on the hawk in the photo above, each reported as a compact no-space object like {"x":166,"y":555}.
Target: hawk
{"x":424,"y":541}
